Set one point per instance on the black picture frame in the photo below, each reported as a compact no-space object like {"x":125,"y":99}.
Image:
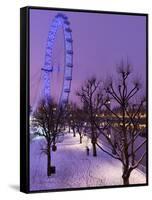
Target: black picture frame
{"x":25,"y":92}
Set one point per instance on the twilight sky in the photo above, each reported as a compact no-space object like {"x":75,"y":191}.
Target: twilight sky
{"x":100,"y":41}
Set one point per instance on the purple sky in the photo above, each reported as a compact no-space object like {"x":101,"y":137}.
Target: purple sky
{"x":100,"y":41}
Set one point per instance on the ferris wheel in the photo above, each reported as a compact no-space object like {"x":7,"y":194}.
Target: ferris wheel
{"x":60,"y":20}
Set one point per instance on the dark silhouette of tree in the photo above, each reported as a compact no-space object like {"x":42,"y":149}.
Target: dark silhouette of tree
{"x":78,"y":117}
{"x":71,"y":108}
{"x":124,"y":121}
{"x":48,"y":117}
{"x":91,"y":99}
{"x":75,"y":119}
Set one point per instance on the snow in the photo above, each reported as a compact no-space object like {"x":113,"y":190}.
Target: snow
{"x":74,"y":169}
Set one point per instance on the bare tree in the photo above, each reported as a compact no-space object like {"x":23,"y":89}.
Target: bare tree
{"x":75,"y":118}
{"x":92,"y":101}
{"x":124,"y":121}
{"x":48,"y":118}
{"x":70,"y":117}
{"x":78,"y":117}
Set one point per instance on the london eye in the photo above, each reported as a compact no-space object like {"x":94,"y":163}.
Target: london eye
{"x":59,"y":21}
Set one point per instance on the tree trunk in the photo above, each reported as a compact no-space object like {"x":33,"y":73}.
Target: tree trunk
{"x":93,"y":141}
{"x":74,"y":132}
{"x":125,"y":176}
{"x":94,"y":149}
{"x":125,"y":180}
{"x":48,"y":160}
{"x":80,"y":139}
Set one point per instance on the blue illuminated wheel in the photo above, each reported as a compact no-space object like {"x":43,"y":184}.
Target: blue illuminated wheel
{"x":60,"y":20}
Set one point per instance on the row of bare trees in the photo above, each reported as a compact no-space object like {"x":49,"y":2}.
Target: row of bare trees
{"x":101,"y":99}
{"x":75,"y":117}
{"x":109,"y":111}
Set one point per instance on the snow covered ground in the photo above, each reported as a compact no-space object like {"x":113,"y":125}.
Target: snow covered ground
{"x":74,"y":168}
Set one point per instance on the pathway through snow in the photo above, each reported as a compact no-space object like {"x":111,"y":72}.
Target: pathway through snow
{"x":74,"y":168}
